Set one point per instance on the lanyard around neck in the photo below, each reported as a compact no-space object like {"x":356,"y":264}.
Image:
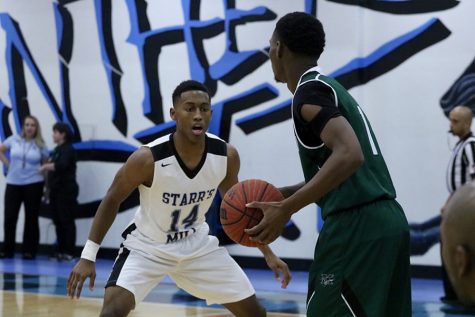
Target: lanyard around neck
{"x":25,"y":152}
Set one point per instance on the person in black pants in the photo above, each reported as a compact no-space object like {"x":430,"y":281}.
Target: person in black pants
{"x":425,"y":235}
{"x":460,"y":171}
{"x":22,"y":154}
{"x":63,"y":190}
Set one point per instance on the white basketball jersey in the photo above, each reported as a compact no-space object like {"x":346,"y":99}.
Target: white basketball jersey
{"x":174,"y":206}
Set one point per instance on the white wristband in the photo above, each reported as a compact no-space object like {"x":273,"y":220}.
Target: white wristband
{"x":90,"y":251}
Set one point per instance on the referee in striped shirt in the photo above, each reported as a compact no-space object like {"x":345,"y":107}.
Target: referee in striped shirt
{"x":461,"y":168}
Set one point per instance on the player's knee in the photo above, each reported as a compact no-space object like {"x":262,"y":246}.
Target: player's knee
{"x":247,"y":308}
{"x":118,"y":302}
{"x":261,"y":312}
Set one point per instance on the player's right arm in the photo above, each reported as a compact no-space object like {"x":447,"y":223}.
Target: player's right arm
{"x":137,"y":170}
{"x":232,"y":171}
{"x":288,"y":191}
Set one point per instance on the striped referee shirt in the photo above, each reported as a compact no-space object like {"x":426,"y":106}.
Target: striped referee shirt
{"x":461,"y":167}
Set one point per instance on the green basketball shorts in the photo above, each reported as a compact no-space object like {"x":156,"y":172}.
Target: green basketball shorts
{"x":361,"y":264}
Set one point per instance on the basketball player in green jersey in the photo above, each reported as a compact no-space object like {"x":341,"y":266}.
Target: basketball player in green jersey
{"x":361,"y":261}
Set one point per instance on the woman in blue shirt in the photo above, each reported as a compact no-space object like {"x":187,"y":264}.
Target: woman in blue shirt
{"x":24,"y":185}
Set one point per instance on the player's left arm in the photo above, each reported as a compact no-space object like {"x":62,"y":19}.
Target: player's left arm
{"x":288,"y":191}
{"x":277,"y":266}
{"x":345,"y":159}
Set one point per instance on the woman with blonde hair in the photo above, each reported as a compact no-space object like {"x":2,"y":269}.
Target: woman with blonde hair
{"x":27,"y":151}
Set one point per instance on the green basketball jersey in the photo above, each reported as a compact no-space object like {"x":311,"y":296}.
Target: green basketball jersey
{"x":371,"y":181}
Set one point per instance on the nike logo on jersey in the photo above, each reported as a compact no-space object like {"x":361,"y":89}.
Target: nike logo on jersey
{"x":163,"y":165}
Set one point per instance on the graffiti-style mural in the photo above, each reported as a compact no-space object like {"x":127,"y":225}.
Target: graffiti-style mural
{"x":107,"y":68}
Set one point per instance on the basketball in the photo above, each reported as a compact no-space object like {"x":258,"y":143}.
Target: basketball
{"x":235,"y":216}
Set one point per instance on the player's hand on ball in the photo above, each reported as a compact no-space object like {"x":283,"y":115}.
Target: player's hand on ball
{"x":271,"y":225}
{"x":235,"y":217}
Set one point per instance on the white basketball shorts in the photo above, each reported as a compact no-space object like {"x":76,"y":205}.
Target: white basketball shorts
{"x":197,"y":264}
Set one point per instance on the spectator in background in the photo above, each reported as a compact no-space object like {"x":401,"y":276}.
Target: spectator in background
{"x":462,"y":164}
{"x":24,"y":185}
{"x":458,"y":244}
{"x":425,"y":235}
{"x":461,"y":92}
{"x":63,"y":190}
{"x":460,"y":170}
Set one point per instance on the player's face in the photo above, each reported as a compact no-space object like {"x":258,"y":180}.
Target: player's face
{"x":274,"y":58}
{"x":192,"y":114}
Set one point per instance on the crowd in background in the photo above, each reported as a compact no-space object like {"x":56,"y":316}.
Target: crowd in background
{"x":34,"y":174}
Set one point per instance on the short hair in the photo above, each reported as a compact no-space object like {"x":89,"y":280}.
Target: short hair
{"x":302,"y":33}
{"x":62,"y":127}
{"x":185,"y":86}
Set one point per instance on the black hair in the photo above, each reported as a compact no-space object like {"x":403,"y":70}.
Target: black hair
{"x":302,"y":33}
{"x":62,"y":127}
{"x":185,"y":86}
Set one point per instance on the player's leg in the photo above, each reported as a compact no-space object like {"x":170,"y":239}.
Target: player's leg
{"x":246,"y":307}
{"x":399,"y":290}
{"x":134,"y":274}
{"x":357,"y":255}
{"x":326,"y":274}
{"x":118,"y":302}
{"x":213,"y":275}
{"x":388,"y":261}
{"x":376,"y":260}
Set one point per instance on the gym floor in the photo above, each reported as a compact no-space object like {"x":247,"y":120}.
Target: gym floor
{"x":38,"y":288}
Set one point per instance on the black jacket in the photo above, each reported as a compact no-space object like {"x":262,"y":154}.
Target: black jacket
{"x":64,"y":175}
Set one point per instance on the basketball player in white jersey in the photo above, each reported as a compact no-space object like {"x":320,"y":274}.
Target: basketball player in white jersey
{"x":177,"y":176}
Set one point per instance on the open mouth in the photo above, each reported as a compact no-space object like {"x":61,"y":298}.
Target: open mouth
{"x":197,"y":130}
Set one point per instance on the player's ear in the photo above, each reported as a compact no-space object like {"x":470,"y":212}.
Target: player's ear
{"x":462,"y":260}
{"x":278,"y":48}
{"x":172,"y":113}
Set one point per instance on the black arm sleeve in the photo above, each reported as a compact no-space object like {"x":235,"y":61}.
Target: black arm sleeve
{"x":319,"y":94}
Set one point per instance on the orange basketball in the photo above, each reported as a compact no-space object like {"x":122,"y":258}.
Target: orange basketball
{"x":235,"y":216}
